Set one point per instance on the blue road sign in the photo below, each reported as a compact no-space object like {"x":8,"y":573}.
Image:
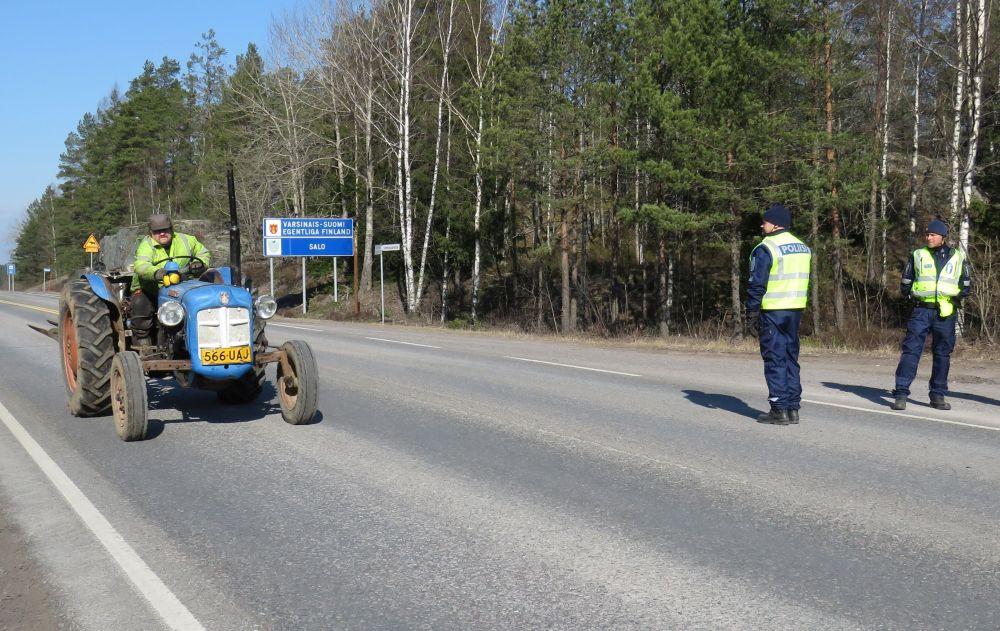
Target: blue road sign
{"x":11,"y":269}
{"x":308,"y":236}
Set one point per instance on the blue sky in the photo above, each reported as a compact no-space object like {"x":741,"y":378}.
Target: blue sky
{"x":59,"y":59}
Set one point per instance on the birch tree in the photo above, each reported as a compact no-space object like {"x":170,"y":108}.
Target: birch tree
{"x":486,"y":27}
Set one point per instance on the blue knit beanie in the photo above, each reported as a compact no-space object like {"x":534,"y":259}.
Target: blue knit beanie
{"x":938,"y":227}
{"x":778,"y":215}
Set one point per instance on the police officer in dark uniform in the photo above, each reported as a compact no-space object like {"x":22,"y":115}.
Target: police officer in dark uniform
{"x":778,"y":292}
{"x":937,"y":278}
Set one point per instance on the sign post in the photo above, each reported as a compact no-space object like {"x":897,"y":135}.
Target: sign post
{"x":380,"y":250}
{"x":45,"y":271}
{"x":92,"y":247}
{"x":307,"y":236}
{"x":11,"y":270}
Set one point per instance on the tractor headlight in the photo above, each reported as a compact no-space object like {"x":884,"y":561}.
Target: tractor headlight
{"x":266,"y":307}
{"x":170,"y":314}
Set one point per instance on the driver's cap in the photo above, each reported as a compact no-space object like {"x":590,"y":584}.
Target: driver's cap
{"x":159,"y":221}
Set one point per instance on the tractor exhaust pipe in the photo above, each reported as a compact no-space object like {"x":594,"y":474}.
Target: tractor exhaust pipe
{"x":234,"y":229}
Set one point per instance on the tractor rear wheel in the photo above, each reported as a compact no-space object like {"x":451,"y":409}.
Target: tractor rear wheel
{"x":298,"y":390}
{"x":87,"y":345}
{"x":247,"y":388}
{"x":128,"y":396}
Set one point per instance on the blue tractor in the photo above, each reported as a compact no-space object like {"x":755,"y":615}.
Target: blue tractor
{"x":210,"y":334}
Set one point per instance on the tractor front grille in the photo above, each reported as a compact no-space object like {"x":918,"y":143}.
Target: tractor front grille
{"x":223,"y":327}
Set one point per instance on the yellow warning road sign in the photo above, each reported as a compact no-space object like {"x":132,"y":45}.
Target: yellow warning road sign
{"x":91,"y":245}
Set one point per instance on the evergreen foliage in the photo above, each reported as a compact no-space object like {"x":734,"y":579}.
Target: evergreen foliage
{"x":596,"y":164}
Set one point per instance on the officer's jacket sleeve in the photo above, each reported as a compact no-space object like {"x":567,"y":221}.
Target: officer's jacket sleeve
{"x":144,"y":266}
{"x":906,"y":282}
{"x":760,"y":268}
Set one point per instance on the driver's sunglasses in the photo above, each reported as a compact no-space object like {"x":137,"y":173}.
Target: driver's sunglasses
{"x":165,"y":231}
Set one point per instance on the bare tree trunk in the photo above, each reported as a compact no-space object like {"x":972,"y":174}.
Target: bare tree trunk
{"x":734,"y":260}
{"x":883,"y":162}
{"x":567,"y":322}
{"x":914,"y":160}
{"x":831,"y":159}
{"x":446,"y":49}
{"x":670,"y":293}
{"x":881,"y":98}
{"x":957,"y":107}
{"x":52,"y":230}
{"x":979,"y":13}
{"x":447,"y":223}
{"x":661,"y":286}
{"x":478,"y":207}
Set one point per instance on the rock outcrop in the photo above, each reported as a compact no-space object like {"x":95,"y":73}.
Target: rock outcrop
{"x":118,"y":249}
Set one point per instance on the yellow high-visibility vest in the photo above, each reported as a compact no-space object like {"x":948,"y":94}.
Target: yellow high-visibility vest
{"x":151,"y":256}
{"x":928,"y":285}
{"x":788,"y":279}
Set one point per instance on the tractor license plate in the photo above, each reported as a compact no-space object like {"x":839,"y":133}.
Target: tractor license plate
{"x":228,"y":355}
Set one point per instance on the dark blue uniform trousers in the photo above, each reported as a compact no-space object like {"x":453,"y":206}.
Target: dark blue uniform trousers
{"x":923,"y":321}
{"x":779,"y":348}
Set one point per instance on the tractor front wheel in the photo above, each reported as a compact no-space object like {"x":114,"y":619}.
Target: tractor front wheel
{"x":128,"y":396}
{"x":298,"y":384}
{"x":87,"y":344}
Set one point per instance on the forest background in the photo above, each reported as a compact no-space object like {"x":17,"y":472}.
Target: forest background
{"x":574,"y":165}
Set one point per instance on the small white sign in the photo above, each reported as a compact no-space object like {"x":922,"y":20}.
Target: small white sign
{"x":388,"y":247}
{"x":45,"y":269}
{"x":272,"y":247}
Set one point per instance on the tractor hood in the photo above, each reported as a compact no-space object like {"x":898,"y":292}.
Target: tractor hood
{"x":224,"y":327}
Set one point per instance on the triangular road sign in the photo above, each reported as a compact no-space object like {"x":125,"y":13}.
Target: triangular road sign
{"x":91,"y":245}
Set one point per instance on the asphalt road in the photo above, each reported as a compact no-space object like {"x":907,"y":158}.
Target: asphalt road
{"x":458,"y":481}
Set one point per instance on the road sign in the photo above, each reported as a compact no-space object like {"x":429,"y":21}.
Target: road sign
{"x":380,"y":250}
{"x":308,"y":236}
{"x":91,"y":245}
{"x":11,"y":269}
{"x":45,"y":269}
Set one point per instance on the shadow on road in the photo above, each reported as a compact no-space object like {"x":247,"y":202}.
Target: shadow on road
{"x":978,"y":398}
{"x":721,"y":402}
{"x":883,"y":396}
{"x":202,"y":406}
{"x":878,"y":396}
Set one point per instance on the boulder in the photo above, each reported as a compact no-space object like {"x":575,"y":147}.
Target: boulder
{"x":118,"y":249}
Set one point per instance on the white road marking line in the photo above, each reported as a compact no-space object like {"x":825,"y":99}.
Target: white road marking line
{"x":538,"y":361}
{"x":293,"y":326}
{"x":895,"y":413}
{"x":19,"y":304}
{"x":381,"y":339}
{"x":166,"y":604}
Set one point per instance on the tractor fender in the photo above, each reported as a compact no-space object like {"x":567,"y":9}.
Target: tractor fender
{"x":101,"y":286}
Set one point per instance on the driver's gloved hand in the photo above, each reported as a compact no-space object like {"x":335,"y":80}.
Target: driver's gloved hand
{"x":160,"y":273}
{"x":197,"y":268}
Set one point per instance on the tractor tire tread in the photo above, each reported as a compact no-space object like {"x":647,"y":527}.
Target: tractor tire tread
{"x":96,"y":349}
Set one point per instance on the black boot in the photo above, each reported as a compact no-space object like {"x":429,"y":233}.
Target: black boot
{"x":899,"y":403}
{"x":774,"y":417}
{"x":793,"y":417}
{"x":938,"y":403}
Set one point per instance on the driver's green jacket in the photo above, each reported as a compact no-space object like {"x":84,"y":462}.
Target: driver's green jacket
{"x":151,"y":256}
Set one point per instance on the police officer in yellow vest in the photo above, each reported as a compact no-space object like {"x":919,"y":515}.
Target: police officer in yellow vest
{"x":161,"y":245}
{"x":936,"y":277}
{"x":777,"y":295}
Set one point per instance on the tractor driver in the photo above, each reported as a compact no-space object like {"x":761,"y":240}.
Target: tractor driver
{"x":155,"y":249}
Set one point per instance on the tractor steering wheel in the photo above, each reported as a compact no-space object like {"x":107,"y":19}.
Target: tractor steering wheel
{"x":184,"y":272}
